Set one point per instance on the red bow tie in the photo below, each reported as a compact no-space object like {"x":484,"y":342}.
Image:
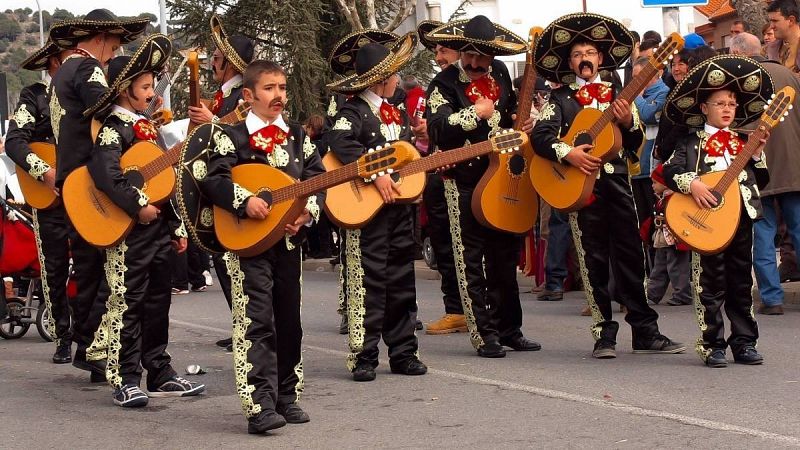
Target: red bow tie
{"x":217,"y":104}
{"x":593,"y":91}
{"x":722,"y":140}
{"x":265,"y":139}
{"x":145,"y":130}
{"x":390,"y":114}
{"x":483,"y":87}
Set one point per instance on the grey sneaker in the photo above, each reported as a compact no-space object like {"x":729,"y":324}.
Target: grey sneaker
{"x":129,"y":396}
{"x":659,"y":344}
{"x":178,"y":387}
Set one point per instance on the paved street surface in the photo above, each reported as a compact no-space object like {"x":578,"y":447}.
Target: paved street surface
{"x":556,"y":398}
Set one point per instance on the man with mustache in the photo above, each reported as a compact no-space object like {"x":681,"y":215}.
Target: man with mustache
{"x":606,"y":231}
{"x":468,"y":101}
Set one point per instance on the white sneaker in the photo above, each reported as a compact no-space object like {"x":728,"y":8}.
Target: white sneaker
{"x":178,"y":387}
{"x":207,"y":276}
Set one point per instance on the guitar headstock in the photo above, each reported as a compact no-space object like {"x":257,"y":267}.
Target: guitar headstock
{"x":672,"y":45}
{"x":161,"y":117}
{"x":193,"y":60}
{"x":533,"y":37}
{"x":778,"y":108}
{"x":507,"y":141}
{"x":385,"y":160}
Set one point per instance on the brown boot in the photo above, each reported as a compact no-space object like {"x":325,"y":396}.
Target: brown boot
{"x":449,"y":323}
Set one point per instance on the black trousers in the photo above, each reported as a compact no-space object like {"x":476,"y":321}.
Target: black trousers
{"x":486,"y":267}
{"x":223,"y":278}
{"x":441,"y":241}
{"x":52,"y":235}
{"x":267,"y":333}
{"x":725,"y":279}
{"x":380,"y":288}
{"x":188,"y":267}
{"x":606,"y":235}
{"x":645,"y":200}
{"x":135,"y":329}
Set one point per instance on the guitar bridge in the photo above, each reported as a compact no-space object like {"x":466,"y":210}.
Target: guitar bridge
{"x":696,"y":223}
{"x":558,"y":172}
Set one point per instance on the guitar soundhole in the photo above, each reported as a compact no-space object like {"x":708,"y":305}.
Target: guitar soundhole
{"x":582,"y":138}
{"x":395,"y":177}
{"x":266,"y":196}
{"x":516,"y":165}
{"x":719,"y":198}
{"x":135,"y":178}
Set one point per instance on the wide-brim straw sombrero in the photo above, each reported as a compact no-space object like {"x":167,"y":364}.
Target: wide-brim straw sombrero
{"x":67,"y":33}
{"x":375,"y":63}
{"x":478,"y":34}
{"x":237,"y":49}
{"x":425,"y":27}
{"x":39,"y":60}
{"x":343,"y":56}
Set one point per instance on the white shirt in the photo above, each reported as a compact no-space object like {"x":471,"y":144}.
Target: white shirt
{"x":720,"y":162}
{"x":376,"y":101}
{"x":230,"y":84}
{"x":127,"y":112}
{"x":254,"y":123}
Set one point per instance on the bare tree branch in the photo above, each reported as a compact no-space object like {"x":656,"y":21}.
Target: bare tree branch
{"x":403,"y":12}
{"x":350,"y":12}
{"x":369,"y":6}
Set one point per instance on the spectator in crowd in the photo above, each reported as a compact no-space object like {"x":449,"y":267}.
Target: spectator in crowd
{"x":768,"y":33}
{"x":701,"y":54}
{"x":783,"y":16}
{"x":668,"y":132}
{"x":627,"y":69}
{"x":739,"y":27}
{"x":693,"y":40}
{"x":651,"y":35}
{"x":647,"y":47}
{"x":415,"y":107}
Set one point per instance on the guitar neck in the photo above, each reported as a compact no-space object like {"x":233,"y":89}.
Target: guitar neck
{"x":446,"y":158}
{"x":629,"y":94}
{"x":237,"y":115}
{"x":162,"y":163}
{"x":526,"y":92}
{"x":161,"y":86}
{"x":316,"y":184}
{"x":742,"y":158}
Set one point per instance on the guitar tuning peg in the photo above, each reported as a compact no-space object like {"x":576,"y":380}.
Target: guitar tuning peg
{"x":372,"y":150}
{"x":766,"y":106}
{"x":381,"y":173}
{"x":378,"y":147}
{"x":390,"y":171}
{"x":786,"y":114}
{"x":791,"y":106}
{"x":374,"y":176}
{"x":516,"y":149}
{"x":773,"y":96}
{"x":782,"y":119}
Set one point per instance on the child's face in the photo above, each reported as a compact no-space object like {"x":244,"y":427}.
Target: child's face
{"x":140,"y":92}
{"x":268,"y":97}
{"x":720,"y":108}
{"x":658,"y":188}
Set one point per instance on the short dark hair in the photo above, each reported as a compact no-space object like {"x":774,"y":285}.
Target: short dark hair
{"x":701,"y":54}
{"x":257,"y":68}
{"x":647,"y":44}
{"x":785,"y":7}
{"x":641,"y":61}
{"x":315,"y":123}
{"x":636,"y":37}
{"x":765,"y":28}
{"x":651,"y":34}
{"x":743,"y":24}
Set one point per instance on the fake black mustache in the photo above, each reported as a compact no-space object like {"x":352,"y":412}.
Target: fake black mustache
{"x":470,"y":68}
{"x":586,"y":64}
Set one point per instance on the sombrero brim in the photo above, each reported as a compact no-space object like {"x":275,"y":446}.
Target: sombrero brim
{"x":399,"y":54}
{"x":425,"y":27}
{"x":748,"y":79}
{"x":151,"y":56}
{"x":38,"y":60}
{"x":67,"y":33}
{"x":343,"y":57}
{"x":220,"y":37}
{"x":551,"y":54}
{"x":451,"y":35}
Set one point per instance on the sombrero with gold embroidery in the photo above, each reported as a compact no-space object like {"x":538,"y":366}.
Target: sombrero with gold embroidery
{"x":343,"y":57}
{"x":552,"y":52}
{"x":375,"y":63}
{"x":67,"y":33}
{"x":745,"y":77}
{"x":151,"y":56}
{"x":237,"y":49}
{"x":425,"y":27}
{"x":478,"y":34}
{"x":38,"y":60}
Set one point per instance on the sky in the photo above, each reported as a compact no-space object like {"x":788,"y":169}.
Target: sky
{"x":120,"y":8}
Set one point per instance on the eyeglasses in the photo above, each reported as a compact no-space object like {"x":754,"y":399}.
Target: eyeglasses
{"x":723,"y":105}
{"x":587,"y":53}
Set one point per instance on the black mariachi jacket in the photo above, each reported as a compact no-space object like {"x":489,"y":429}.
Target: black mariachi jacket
{"x":297,"y":157}
{"x":557,"y":116}
{"x":30,"y":123}
{"x":453,"y":123}
{"x":357,"y":128}
{"x":116,"y":137}
{"x":690,"y":160}
{"x":230,"y":99}
{"x":78,"y":84}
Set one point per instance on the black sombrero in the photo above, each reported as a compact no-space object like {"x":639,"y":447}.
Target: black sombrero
{"x":38,"y":60}
{"x":237,"y":49}
{"x":375,"y":63}
{"x":478,"y":34}
{"x":748,"y":79}
{"x":67,"y":33}
{"x":151,"y":56}
{"x":343,"y":57}
{"x":551,"y":54}
{"x":425,"y":27}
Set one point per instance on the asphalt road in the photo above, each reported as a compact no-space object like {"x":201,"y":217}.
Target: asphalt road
{"x":556,"y":398}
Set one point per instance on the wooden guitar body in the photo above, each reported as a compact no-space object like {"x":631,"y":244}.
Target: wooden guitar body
{"x":160,"y":186}
{"x":706,"y":231}
{"x":563,"y":186}
{"x":36,"y":193}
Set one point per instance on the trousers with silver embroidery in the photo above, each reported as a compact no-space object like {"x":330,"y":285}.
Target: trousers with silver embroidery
{"x":53,"y":233}
{"x":441,"y":241}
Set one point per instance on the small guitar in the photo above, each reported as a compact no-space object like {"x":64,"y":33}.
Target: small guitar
{"x":286,"y":196}
{"x":36,"y":193}
{"x":353,"y":204}
{"x":504,"y":198}
{"x":565,"y":187}
{"x":710,"y":231}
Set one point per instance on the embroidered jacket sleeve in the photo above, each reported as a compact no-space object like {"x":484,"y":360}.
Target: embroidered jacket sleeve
{"x":343,"y":138}
{"x":312,"y":166}
{"x":115,"y":137}
{"x":446,"y":123}
{"x":760,"y":171}
{"x":217,"y":184}
{"x":21,"y":130}
{"x":547,"y":131}
{"x":679,"y":168}
{"x":90,"y":82}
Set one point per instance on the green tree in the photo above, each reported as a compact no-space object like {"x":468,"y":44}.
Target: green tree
{"x":9,"y":28}
{"x":62,"y":14}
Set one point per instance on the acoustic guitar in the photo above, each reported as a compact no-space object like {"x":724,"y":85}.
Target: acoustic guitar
{"x":352,"y":205}
{"x":504,"y":198}
{"x":36,"y":193}
{"x":565,"y":187}
{"x":287,"y":197}
{"x":710,"y":230}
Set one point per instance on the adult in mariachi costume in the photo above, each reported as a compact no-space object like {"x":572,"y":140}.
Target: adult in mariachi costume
{"x":378,"y":258}
{"x":266,"y":288}
{"x":721,"y":92}
{"x":573,"y":50}
{"x":79,"y":84}
{"x":31,"y":123}
{"x":467,"y":102}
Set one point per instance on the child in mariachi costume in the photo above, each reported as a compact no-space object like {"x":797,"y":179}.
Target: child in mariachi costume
{"x":378,"y":258}
{"x":135,"y":328}
{"x":266,"y":288}
{"x":720,"y":93}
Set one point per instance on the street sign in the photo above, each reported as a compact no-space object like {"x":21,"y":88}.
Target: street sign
{"x":672,"y":3}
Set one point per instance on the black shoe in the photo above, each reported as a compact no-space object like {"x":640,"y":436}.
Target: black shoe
{"x":492,"y":350}
{"x":522,"y":344}
{"x":673,"y":302}
{"x":335,"y":260}
{"x":63,"y":354}
{"x":95,"y":377}
{"x":224,"y":342}
{"x":265,"y":421}
{"x":229,"y":348}
{"x":292,"y":413}
{"x":129,"y":396}
{"x":717,"y":359}
{"x":343,"y":325}
{"x":363,"y":372}
{"x":411,"y":366}
{"x":604,"y":350}
{"x":80,"y":362}
{"x":418,"y":325}
{"x":748,"y":355}
{"x":659,"y":344}
{"x":550,"y":296}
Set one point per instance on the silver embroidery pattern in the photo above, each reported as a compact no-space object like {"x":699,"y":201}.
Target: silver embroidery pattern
{"x":181,"y":231}
{"x":699,"y":308}
{"x":116,"y":306}
{"x":548,"y":111}
{"x":278,"y":158}
{"x":56,"y":113}
{"x":467,"y":119}
{"x":342,"y":124}
{"x":51,"y":324}
{"x":436,"y":100}
{"x":223,"y":144}
{"x":108,"y":136}
{"x":684,"y":181}
{"x":123,"y":117}
{"x":240,"y":195}
{"x":608,"y":168}
{"x":635,"y":116}
{"x":22,"y":116}
{"x":762,"y":164}
{"x":143,"y":198}
{"x":313,"y":207}
{"x":747,"y":195}
{"x":561,"y":149}
{"x":98,"y":77}
{"x":494,"y":122}
{"x":597,"y":316}
{"x":199,"y":170}
{"x":308,"y":148}
{"x":38,"y":166}
{"x":356,"y":292}
{"x":332,"y":107}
